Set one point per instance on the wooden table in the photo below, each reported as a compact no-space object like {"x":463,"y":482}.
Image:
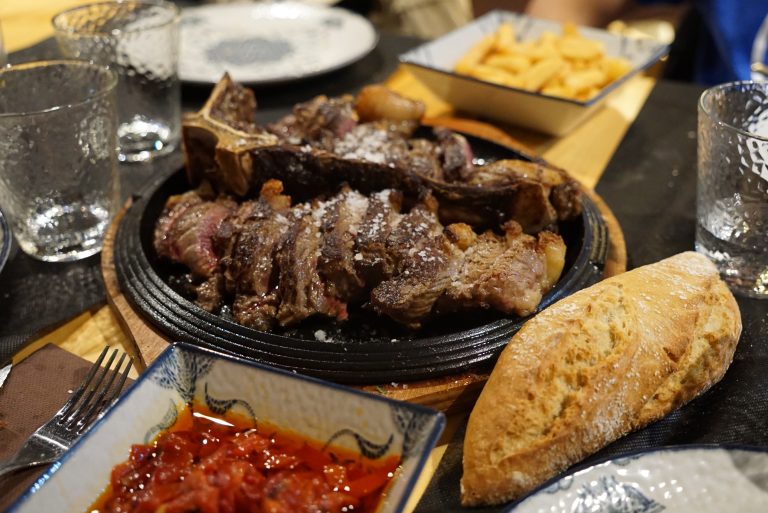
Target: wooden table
{"x":584,"y":152}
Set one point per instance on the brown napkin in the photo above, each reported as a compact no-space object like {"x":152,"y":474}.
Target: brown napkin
{"x":34,"y":391}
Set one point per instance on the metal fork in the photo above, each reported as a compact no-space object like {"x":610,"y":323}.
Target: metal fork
{"x":85,"y":406}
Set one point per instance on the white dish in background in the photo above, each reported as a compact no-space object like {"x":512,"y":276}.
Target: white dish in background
{"x":365,"y":423}
{"x":433,"y":64}
{"x":270,"y":42}
{"x":684,"y":479}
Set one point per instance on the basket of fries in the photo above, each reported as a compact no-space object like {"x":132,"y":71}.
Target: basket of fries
{"x":534,"y":73}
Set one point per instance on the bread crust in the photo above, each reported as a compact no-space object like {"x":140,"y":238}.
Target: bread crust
{"x":605,"y":361}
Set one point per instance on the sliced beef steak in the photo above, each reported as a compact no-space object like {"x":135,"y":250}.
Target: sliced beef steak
{"x":319,"y":122}
{"x":284,"y":264}
{"x":250,"y":272}
{"x":340,"y":228}
{"x":303,"y":292}
{"x":508,"y":273}
{"x":186,"y":229}
{"x":409,"y":297}
{"x":372,"y":259}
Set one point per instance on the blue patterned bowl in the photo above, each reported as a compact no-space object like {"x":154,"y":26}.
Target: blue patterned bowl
{"x":375,"y":426}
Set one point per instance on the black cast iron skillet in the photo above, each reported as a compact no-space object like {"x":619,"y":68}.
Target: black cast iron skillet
{"x":366,"y":349}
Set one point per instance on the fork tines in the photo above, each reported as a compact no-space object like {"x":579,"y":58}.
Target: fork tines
{"x":101,"y":386}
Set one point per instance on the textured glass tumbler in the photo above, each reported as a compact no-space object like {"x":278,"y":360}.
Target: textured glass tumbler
{"x":732,"y":193}
{"x":140,"y":41}
{"x":58,"y":156}
{"x":3,"y":53}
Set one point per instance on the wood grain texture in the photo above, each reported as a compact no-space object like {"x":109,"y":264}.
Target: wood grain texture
{"x":449,"y":394}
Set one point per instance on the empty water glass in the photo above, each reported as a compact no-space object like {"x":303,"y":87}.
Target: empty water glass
{"x":140,"y":41}
{"x":3,"y":53}
{"x":58,"y":156}
{"x":732,"y":194}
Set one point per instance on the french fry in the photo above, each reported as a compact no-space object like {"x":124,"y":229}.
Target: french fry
{"x":514,"y":63}
{"x":505,"y":38}
{"x":475,"y":54}
{"x":578,"y":48}
{"x":545,"y":49}
{"x":534,"y":77}
{"x":581,"y":81}
{"x":570,"y":29}
{"x":568,"y":65}
{"x":615,"y":68}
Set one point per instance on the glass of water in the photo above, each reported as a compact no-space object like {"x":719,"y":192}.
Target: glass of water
{"x":732,"y":194}
{"x":140,"y":41}
{"x":58,"y":156}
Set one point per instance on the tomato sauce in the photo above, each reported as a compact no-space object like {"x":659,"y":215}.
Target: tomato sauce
{"x":208,"y":464}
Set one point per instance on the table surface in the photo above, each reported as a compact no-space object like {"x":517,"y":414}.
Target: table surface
{"x":649,"y":184}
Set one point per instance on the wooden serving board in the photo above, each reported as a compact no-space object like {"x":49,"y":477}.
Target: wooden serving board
{"x":449,"y":394}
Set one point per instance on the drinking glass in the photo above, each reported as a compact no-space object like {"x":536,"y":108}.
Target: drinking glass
{"x":3,"y":53}
{"x":58,"y":156}
{"x":140,"y":41}
{"x":759,"y":56}
{"x":732,"y":194}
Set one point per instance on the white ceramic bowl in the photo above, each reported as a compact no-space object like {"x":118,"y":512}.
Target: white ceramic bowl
{"x":433,"y":64}
{"x":372,"y":425}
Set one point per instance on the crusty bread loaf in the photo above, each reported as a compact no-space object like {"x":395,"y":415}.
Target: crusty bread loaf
{"x":605,"y":361}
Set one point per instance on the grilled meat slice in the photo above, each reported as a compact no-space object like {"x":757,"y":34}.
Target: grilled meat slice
{"x":424,"y":159}
{"x":509,"y":273}
{"x":174,"y":208}
{"x":561,"y":190}
{"x":414,"y":231}
{"x":318,"y":122}
{"x":455,"y":154}
{"x":422,"y":261}
{"x":372,"y":259}
{"x":372,"y":142}
{"x":186,"y":230}
{"x":249,"y":240}
{"x":303,"y":293}
{"x":410,"y":296}
{"x":249,"y":271}
{"x":208,"y":294}
{"x":385,"y":143}
{"x":340,"y":227}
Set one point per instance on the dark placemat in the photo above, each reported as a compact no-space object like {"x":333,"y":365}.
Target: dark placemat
{"x":650,"y":185}
{"x":34,"y":391}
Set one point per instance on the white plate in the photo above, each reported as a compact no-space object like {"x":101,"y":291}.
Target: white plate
{"x":433,"y":64}
{"x":686,"y":479}
{"x":270,"y":42}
